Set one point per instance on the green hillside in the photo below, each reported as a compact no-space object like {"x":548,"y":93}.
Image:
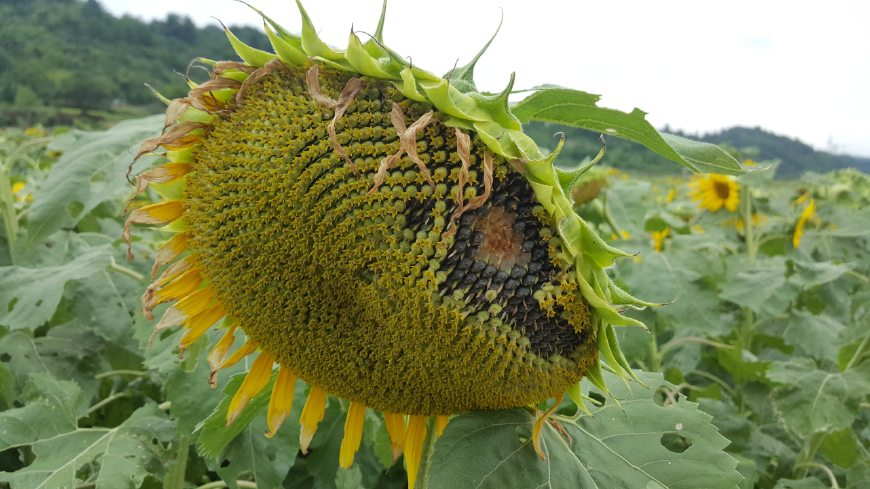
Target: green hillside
{"x":73,"y":54}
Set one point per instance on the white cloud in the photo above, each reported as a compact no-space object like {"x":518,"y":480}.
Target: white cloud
{"x":797,"y":68}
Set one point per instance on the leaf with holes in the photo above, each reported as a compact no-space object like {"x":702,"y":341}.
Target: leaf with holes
{"x":29,"y":296}
{"x":109,"y":458}
{"x":637,"y":443}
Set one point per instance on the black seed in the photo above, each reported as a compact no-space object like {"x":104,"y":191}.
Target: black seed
{"x":518,"y":271}
{"x":478,"y":266}
{"x":489,"y":271}
{"x":511,"y":284}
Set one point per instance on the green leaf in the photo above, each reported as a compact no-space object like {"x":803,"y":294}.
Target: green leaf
{"x":841,"y":448}
{"x":90,"y":172}
{"x":349,"y":478}
{"x":764,"y":288}
{"x":817,"y":336}
{"x":53,"y":408}
{"x":215,"y":435}
{"x":580,"y":109}
{"x":812,"y":401}
{"x":614,"y":447}
{"x":122,"y":455}
{"x":53,"y":354}
{"x":29,"y":296}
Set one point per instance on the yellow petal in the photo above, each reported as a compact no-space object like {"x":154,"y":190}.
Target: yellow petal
{"x":414,"y":447}
{"x":312,"y":415}
{"x":396,"y":429}
{"x":196,"y":301}
{"x":199,"y":324}
{"x":353,"y":428}
{"x":246,"y":349}
{"x":441,"y":424}
{"x":219,"y":352}
{"x":254,"y":382}
{"x":281,"y":401}
{"x":182,"y":286}
{"x":169,"y":251}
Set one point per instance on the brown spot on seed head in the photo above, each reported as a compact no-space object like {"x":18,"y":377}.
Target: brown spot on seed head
{"x":502,"y":246}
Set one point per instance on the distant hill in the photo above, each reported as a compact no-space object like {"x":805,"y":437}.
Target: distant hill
{"x":797,"y":157}
{"x":74,"y":54}
{"x":745,"y":143}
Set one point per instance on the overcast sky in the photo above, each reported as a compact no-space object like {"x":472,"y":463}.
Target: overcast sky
{"x":797,"y":68}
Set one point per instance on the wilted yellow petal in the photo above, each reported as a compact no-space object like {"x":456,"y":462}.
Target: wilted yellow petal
{"x":539,"y":423}
{"x":312,"y":415}
{"x":396,"y":429}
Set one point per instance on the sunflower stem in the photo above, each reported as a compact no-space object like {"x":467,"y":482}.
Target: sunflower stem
{"x":7,"y":201}
{"x":175,"y":475}
{"x":751,"y":246}
{"x":113,"y":266}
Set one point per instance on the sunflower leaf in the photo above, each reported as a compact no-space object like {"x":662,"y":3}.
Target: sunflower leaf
{"x":640,"y":444}
{"x":90,"y":172}
{"x":580,"y":109}
{"x":30,"y":296}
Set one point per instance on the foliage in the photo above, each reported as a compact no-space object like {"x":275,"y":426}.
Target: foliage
{"x":767,"y":342}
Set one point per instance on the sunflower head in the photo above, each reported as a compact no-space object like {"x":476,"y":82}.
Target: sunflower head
{"x":713,"y":192}
{"x":386,"y":235}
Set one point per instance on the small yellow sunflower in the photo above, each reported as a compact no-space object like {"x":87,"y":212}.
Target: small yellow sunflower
{"x":658,"y":239}
{"x":713,"y":192}
{"x":807,"y":214}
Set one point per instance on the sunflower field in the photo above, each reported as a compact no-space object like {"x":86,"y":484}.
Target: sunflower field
{"x":755,"y":374}
{"x":333,"y":269}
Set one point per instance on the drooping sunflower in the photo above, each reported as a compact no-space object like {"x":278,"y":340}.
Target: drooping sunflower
{"x":388,"y":236}
{"x":713,"y":192}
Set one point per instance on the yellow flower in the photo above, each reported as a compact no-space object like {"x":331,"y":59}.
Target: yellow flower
{"x":672,"y":194}
{"x":20,"y":194}
{"x":34,"y":132}
{"x":713,"y":192}
{"x":658,"y":239}
{"x":808,"y":213}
